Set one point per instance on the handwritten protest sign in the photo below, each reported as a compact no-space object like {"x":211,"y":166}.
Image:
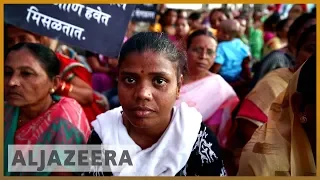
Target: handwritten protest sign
{"x":145,"y":13}
{"x":99,"y":28}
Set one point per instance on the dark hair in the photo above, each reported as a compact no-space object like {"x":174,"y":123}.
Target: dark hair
{"x":37,"y":36}
{"x":218,"y":10}
{"x":199,"y":32}
{"x":298,"y":24}
{"x":281,"y":24}
{"x":303,"y":38}
{"x":307,"y":81}
{"x":46,"y":57}
{"x":156,"y":42}
{"x":194,"y":16}
{"x":271,"y":22}
{"x":164,"y":15}
{"x":167,"y":12}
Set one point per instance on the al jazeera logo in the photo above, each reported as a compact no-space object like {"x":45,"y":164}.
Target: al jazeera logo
{"x":69,"y":158}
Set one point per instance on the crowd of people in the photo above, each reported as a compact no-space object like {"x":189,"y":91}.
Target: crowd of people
{"x":215,"y":93}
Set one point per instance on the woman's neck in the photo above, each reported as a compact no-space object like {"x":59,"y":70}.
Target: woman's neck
{"x":146,"y":137}
{"x":30,"y":112}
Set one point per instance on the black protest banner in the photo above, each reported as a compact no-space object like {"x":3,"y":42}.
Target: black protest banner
{"x":99,"y":28}
{"x":145,"y":13}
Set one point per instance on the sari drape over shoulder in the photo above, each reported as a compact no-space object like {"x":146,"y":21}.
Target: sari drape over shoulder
{"x":215,"y":99}
{"x":256,"y":105}
{"x":281,"y":146}
{"x":63,"y":123}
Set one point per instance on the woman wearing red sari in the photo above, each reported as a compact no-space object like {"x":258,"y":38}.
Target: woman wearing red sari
{"x":69,"y":70}
{"x":33,"y":113}
{"x":75,"y":78}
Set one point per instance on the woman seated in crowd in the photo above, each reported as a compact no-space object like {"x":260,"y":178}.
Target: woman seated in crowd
{"x":72,"y":53}
{"x":209,"y":93}
{"x":270,"y":39}
{"x":33,"y":113}
{"x":297,"y":10}
{"x":255,"y":35}
{"x":102,"y":73}
{"x":216,"y":17}
{"x":286,"y":144}
{"x":182,"y":30}
{"x":168,"y":140}
{"x":255,"y":108}
{"x":284,"y":57}
{"x":75,"y":78}
{"x":282,"y":29}
{"x":168,"y":21}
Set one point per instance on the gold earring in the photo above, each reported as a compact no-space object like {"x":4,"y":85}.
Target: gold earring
{"x":52,"y":90}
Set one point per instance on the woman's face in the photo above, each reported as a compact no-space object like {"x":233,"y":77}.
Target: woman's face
{"x":286,"y":28}
{"x":195,"y":24}
{"x":171,"y":18}
{"x":216,"y":18}
{"x":25,"y":80}
{"x":295,"y":11}
{"x":201,"y":54}
{"x":182,"y":27}
{"x":306,"y":50}
{"x":16,"y":36}
{"x":294,"y":39}
{"x":147,"y":88}
{"x":243,"y":26}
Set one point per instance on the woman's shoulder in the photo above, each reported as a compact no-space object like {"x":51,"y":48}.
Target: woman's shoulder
{"x":70,"y":109}
{"x":66,"y":101}
{"x":223,"y":84}
{"x":206,"y":137}
{"x":205,"y":158}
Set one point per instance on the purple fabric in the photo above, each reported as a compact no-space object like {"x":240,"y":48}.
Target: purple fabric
{"x":101,"y":82}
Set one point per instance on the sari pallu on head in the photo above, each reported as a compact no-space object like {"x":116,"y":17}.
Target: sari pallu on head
{"x":63,"y":123}
{"x":281,"y":146}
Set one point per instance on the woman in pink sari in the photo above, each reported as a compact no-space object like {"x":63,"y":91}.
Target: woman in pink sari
{"x":213,"y":97}
{"x":33,"y":113}
{"x":182,"y":30}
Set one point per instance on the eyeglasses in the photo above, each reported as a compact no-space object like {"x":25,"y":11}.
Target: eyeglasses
{"x":200,"y":50}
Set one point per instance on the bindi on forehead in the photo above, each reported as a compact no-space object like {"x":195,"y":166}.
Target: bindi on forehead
{"x":142,"y":71}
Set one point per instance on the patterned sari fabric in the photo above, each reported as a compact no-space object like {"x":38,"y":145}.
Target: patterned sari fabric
{"x":71,"y":68}
{"x":215,"y":99}
{"x":257,"y":103}
{"x":63,"y":123}
{"x":281,"y":146}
